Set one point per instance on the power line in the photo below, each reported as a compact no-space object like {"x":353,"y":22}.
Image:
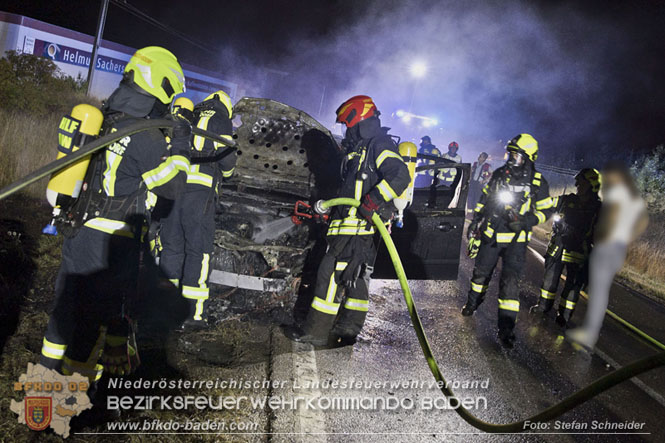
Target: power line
{"x":122,"y":4}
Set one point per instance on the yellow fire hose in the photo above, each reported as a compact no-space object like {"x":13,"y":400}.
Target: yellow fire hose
{"x":602,"y":384}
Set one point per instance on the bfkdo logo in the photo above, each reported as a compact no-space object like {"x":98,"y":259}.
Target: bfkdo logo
{"x":38,"y":412}
{"x":50,"y":399}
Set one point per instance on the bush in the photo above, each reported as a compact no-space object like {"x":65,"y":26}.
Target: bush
{"x":34,"y":85}
{"x":34,"y":95}
{"x":649,"y":172}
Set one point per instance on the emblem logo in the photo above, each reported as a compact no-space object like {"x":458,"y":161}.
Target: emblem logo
{"x":38,"y":412}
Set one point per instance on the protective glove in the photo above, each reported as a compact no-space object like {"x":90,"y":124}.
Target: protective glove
{"x":560,"y":227}
{"x":181,"y":140}
{"x":473,"y":227}
{"x":368,"y":207}
{"x":119,"y":356}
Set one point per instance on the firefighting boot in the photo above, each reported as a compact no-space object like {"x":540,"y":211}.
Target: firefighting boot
{"x":295,"y":333}
{"x":507,"y":338}
{"x":542,"y":307}
{"x":468,"y":310}
{"x":197,"y":319}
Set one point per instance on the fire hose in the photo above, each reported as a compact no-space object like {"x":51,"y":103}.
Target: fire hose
{"x":588,"y":392}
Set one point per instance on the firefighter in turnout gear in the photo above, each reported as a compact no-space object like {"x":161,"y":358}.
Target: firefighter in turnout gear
{"x":99,"y":270}
{"x":514,"y":200}
{"x":572,"y":232}
{"x":374,"y":174}
{"x":188,"y":233}
{"x":425,"y":178}
{"x":448,"y":175}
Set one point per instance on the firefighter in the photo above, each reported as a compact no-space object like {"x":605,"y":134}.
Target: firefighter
{"x":99,"y":268}
{"x":374,"y":173}
{"x":425,"y":178}
{"x":447,"y":175}
{"x":514,"y":200}
{"x":187,"y":234}
{"x":570,"y":245}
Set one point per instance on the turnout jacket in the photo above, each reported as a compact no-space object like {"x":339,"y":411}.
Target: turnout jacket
{"x":372,"y":166}
{"x":212,"y":116}
{"x":529,"y":197}
{"x":130,"y":168}
{"x":574,"y":231}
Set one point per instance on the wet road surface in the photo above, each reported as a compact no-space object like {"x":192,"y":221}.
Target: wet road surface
{"x":501,"y":385}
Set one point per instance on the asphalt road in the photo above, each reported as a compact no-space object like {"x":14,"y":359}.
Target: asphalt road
{"x":502,"y":385}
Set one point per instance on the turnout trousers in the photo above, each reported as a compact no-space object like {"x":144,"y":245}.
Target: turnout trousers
{"x":98,"y":272}
{"x":556,"y":260}
{"x":332,"y":309}
{"x":513,"y":255}
{"x":187,"y":237}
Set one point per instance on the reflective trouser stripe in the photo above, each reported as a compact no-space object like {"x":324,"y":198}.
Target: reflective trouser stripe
{"x":92,"y":372}
{"x":350,"y":226}
{"x":357,"y":304}
{"x":53,"y":350}
{"x":198,"y":294}
{"x":572,"y":257}
{"x":199,"y":178}
{"x":570,"y":305}
{"x":324,"y":306}
{"x":481,"y":289}
{"x":205,"y":266}
{"x":340,"y":265}
{"x":547,"y":295}
{"x":507,"y":237}
{"x":509,"y":305}
{"x":109,"y":226}
{"x":328,"y":306}
{"x":90,"y":368}
{"x":175,"y":281}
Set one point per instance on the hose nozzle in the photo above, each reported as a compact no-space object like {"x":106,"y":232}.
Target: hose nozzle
{"x":320,"y":209}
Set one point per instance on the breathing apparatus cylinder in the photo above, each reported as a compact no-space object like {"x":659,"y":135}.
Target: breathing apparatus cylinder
{"x":409,"y":153}
{"x":74,"y":131}
{"x":84,"y":122}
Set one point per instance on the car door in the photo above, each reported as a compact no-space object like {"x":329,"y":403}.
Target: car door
{"x":429,"y":241}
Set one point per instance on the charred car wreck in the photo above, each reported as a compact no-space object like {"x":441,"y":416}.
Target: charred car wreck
{"x":268,"y":242}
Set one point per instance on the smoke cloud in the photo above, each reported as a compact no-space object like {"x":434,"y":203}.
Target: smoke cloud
{"x":493,"y":70}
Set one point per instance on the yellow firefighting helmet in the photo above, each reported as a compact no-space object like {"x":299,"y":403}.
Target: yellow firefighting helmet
{"x":524,"y":144}
{"x":224,"y":98}
{"x":156,"y":71}
{"x":183,"y":107}
{"x":183,"y":103}
{"x":592,"y":176}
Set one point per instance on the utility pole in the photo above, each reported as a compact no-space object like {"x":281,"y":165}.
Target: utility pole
{"x":95,"y":45}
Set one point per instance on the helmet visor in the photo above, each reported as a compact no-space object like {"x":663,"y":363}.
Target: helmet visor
{"x":514,"y":158}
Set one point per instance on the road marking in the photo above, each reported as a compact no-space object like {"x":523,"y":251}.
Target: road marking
{"x":640,"y":384}
{"x":311,"y":424}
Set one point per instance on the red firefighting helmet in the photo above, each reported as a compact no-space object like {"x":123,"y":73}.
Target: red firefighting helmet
{"x":356,"y":109}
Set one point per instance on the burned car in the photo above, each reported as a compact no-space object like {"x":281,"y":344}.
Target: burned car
{"x":267,"y":242}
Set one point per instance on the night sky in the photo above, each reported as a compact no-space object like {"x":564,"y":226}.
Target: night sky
{"x":583,"y":77}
